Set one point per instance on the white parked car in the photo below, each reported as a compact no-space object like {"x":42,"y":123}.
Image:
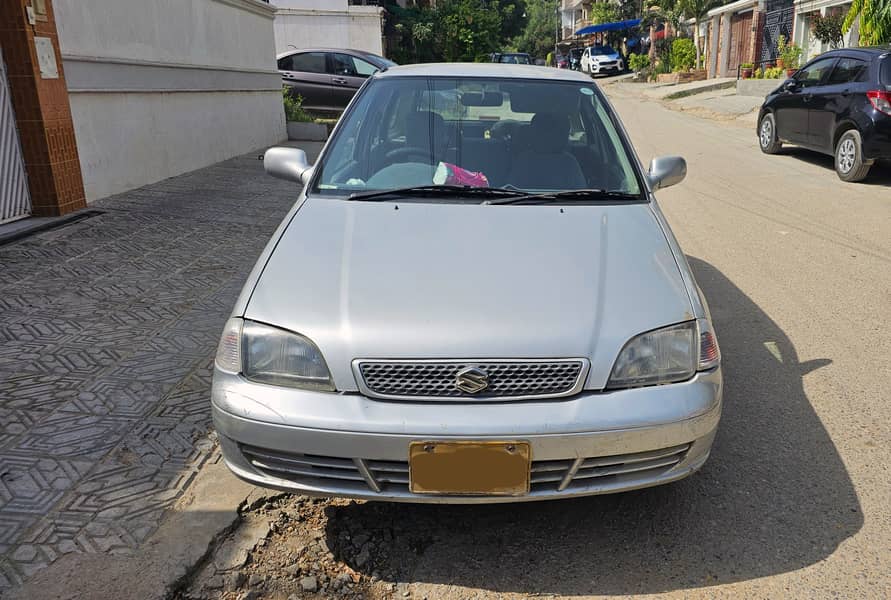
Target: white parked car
{"x":475,"y":298}
{"x":600,"y":60}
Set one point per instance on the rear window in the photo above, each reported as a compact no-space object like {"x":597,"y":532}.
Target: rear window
{"x":886,"y":70}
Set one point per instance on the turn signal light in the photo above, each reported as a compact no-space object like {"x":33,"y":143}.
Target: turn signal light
{"x":881,"y":100}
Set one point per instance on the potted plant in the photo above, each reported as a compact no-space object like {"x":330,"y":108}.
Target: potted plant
{"x":789,"y":55}
{"x":747,"y":69}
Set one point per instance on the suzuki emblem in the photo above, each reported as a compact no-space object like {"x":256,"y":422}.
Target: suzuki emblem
{"x":471,"y":380}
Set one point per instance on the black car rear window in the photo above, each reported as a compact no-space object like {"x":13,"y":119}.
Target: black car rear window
{"x":886,"y":70}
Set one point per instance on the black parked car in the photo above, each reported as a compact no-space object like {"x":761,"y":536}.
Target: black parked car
{"x":326,"y":78}
{"x":839,"y":104}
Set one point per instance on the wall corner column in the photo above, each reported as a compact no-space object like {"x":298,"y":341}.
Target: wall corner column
{"x":43,"y":113}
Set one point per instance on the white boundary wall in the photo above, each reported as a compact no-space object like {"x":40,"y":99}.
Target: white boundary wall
{"x":161,"y":87}
{"x":327,"y":24}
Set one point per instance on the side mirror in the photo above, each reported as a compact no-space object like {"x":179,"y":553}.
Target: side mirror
{"x":790,"y":85}
{"x":665,"y":171}
{"x":289,"y":164}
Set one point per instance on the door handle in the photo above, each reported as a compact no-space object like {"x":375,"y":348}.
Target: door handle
{"x":339,"y":80}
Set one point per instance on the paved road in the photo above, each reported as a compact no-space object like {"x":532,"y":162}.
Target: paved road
{"x":796,"y":499}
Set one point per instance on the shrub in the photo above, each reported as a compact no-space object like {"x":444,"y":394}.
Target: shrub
{"x":828,"y":29}
{"x":758,"y":74}
{"x":639,"y":62}
{"x":774,"y":73}
{"x":294,"y":108}
{"x":747,"y":65}
{"x":683,"y":54}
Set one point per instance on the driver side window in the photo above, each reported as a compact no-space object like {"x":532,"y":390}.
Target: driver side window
{"x":814,"y":74}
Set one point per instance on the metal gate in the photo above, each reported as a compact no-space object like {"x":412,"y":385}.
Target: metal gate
{"x":777,"y":21}
{"x":15,"y":200}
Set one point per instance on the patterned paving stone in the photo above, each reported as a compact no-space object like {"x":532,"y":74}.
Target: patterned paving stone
{"x":108,"y":328}
{"x":74,"y":435}
{"x":118,"y":397}
{"x":32,"y":485}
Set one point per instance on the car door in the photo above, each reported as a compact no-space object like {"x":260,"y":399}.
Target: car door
{"x":832,"y":100}
{"x":308,"y":76}
{"x":348,"y":73}
{"x":792,"y":104}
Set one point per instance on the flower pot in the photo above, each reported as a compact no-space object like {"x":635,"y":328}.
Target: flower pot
{"x":791,"y":72}
{"x":780,"y":63}
{"x":746,"y":73}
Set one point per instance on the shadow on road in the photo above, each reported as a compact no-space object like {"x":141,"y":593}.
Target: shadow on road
{"x":774,"y":497}
{"x":879,"y":174}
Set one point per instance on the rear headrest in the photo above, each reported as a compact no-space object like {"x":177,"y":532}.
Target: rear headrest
{"x":549,"y":132}
{"x":426,"y":126}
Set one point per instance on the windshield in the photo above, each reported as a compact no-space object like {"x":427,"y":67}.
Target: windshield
{"x":576,"y":52}
{"x":527,"y":135}
{"x":600,"y":50}
{"x":516,"y":59}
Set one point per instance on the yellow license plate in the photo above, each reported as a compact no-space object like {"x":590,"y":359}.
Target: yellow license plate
{"x":469,"y":468}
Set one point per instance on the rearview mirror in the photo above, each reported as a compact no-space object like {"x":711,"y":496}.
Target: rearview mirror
{"x":665,"y":171}
{"x":289,"y":164}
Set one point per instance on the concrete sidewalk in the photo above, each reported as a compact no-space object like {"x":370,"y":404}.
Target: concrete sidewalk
{"x":713,"y":98}
{"x":108,"y":327}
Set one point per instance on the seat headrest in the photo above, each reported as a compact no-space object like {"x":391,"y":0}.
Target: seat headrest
{"x":424,"y":127}
{"x":550,"y":132}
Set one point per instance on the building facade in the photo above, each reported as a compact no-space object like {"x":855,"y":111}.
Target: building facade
{"x":109,"y":95}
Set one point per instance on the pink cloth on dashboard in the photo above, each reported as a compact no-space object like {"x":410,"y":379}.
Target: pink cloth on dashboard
{"x":449,"y":174}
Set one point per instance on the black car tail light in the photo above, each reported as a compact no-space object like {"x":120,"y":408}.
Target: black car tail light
{"x":881,"y":100}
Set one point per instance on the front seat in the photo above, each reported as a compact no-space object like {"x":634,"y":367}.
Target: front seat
{"x":426,"y":139}
{"x":546,"y":163}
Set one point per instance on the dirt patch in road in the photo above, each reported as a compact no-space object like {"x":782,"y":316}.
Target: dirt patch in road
{"x":289,"y":547}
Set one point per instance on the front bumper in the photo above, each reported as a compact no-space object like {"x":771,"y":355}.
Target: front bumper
{"x":351,"y":446}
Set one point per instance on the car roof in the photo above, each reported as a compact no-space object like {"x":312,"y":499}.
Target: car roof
{"x":871,"y":50}
{"x":345,"y":50}
{"x":492,"y":70}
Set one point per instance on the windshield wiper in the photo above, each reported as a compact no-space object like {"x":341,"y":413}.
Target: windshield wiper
{"x":601,"y":196}
{"x":445,"y":191}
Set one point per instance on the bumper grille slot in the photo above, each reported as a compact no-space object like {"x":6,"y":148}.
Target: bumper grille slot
{"x":361,"y":475}
{"x":436,"y":380}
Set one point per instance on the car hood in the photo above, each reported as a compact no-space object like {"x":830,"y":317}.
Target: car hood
{"x":605,"y":57}
{"x":469,"y":281}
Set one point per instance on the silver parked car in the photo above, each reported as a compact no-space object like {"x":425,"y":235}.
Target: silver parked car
{"x":475,"y":298}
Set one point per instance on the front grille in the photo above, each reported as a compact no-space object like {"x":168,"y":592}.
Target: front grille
{"x":437,"y":379}
{"x":362,"y":475}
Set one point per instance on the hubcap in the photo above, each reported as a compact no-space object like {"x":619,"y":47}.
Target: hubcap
{"x":766,"y":133}
{"x":846,"y":154}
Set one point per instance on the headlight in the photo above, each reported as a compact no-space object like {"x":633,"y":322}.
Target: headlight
{"x":270,"y":355}
{"x":656,"y":357}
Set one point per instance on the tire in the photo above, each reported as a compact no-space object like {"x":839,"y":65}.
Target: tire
{"x":767,"y":135}
{"x":849,"y":163}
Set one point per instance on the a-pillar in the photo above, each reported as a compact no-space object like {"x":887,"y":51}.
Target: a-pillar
{"x":40,"y":101}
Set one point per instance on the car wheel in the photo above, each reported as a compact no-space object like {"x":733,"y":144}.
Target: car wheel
{"x":767,"y":135}
{"x":849,"y":162}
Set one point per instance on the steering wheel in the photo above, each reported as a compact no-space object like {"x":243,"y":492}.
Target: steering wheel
{"x":403,"y":154}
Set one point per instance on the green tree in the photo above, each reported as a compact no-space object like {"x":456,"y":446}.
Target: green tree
{"x":539,"y":33}
{"x":696,"y":10}
{"x":875,"y":21}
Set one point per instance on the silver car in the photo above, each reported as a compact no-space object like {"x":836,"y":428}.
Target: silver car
{"x":475,"y":298}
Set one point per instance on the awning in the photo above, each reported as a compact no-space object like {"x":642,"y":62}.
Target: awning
{"x":617,"y":26}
